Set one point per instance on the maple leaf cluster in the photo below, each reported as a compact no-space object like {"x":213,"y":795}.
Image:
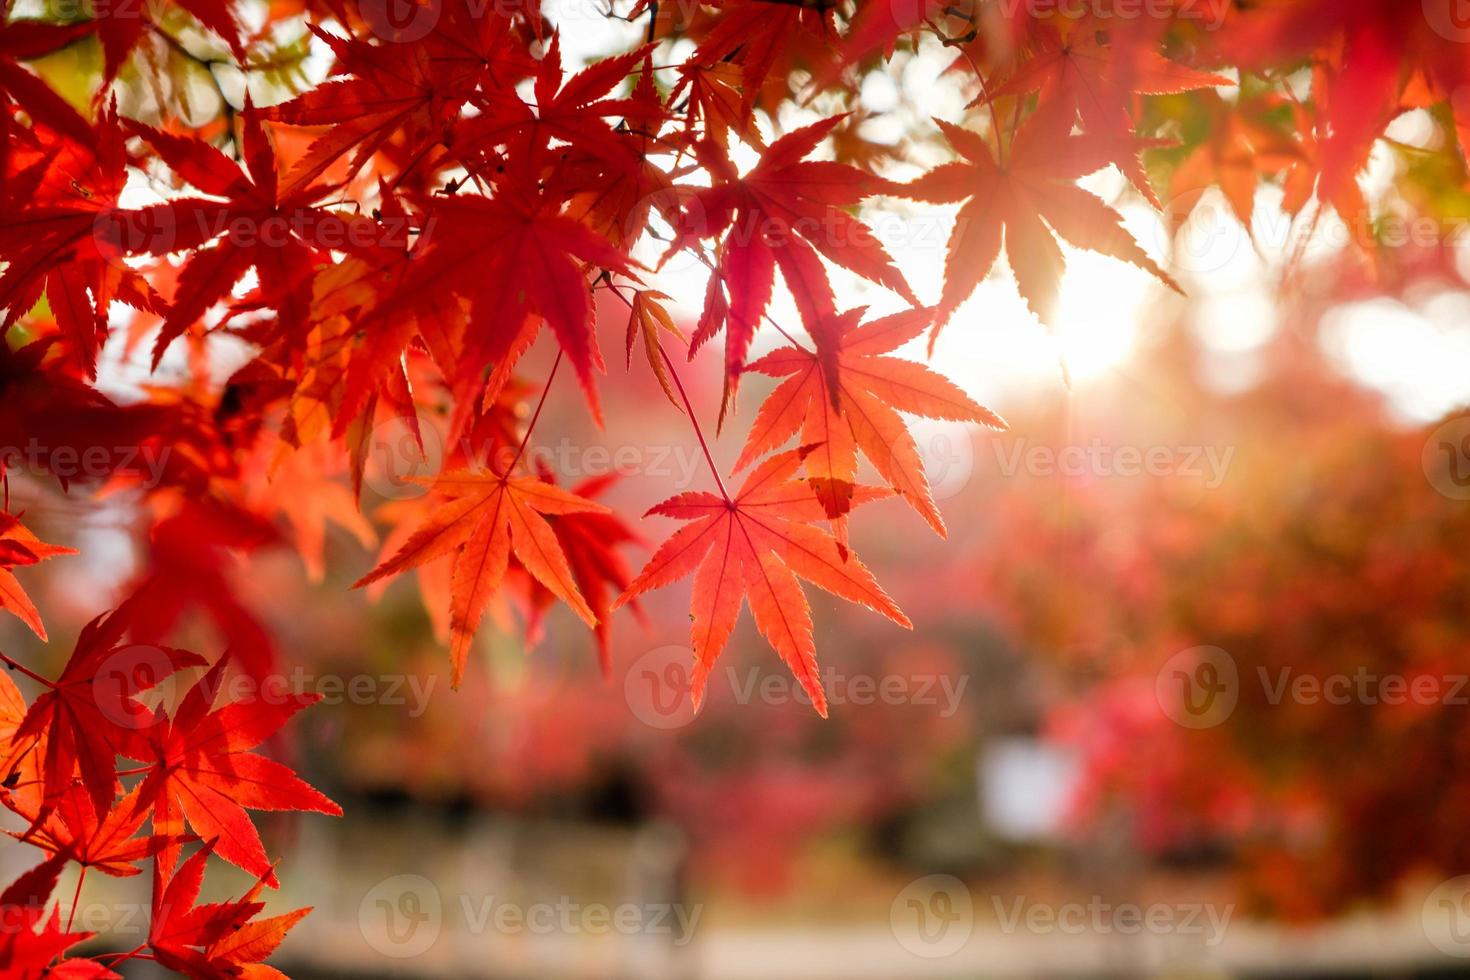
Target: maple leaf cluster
{"x":293,"y":259}
{"x":196,"y":774}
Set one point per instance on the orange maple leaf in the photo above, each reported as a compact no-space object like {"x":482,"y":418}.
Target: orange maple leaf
{"x":486,"y":516}
{"x":19,"y":546}
{"x":846,"y":396}
{"x":754,"y":547}
{"x":1026,"y":198}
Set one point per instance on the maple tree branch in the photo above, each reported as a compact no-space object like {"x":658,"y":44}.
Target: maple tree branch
{"x":208,"y":65}
{"x":136,"y":953}
{"x":955,"y":40}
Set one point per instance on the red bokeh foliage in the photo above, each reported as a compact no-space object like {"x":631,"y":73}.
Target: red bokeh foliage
{"x":385,"y":244}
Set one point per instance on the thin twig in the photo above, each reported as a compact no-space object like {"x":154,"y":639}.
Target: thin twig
{"x":546,"y":390}
{"x":17,"y":665}
{"x":76,"y":897}
{"x":689,"y":410}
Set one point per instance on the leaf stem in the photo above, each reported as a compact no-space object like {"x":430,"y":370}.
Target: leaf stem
{"x":688,"y":408}
{"x":694,"y":420}
{"x":76,"y":898}
{"x":17,"y":665}
{"x":709,"y":264}
{"x":130,"y":954}
{"x":535,"y":416}
{"x":782,"y":331}
{"x":1000,"y":147}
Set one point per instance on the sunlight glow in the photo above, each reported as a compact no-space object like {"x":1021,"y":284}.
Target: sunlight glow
{"x":1418,"y":356}
{"x":1098,"y":309}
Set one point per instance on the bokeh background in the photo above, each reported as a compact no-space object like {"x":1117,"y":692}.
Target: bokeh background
{"x":1188,"y":696}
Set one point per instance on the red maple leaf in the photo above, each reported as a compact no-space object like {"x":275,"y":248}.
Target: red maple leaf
{"x":20,"y":762}
{"x":272,"y":226}
{"x":75,"y":832}
{"x":401,"y":92}
{"x":573,"y":110}
{"x":647,"y":318}
{"x":30,"y":940}
{"x":19,"y":547}
{"x":521,"y":264}
{"x":1024,"y":199}
{"x":753,"y":547}
{"x":21,"y":40}
{"x":217,"y":940}
{"x":84,"y":719}
{"x":589,"y":539}
{"x":1095,"y":77}
{"x":1242,"y":143}
{"x":193,"y":561}
{"x":767,"y":41}
{"x":121,"y":27}
{"x":201,"y":772}
{"x":846,"y":396}
{"x":484,"y":517}
{"x":1372,"y":54}
{"x":786,"y":213}
{"x":59,"y":235}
